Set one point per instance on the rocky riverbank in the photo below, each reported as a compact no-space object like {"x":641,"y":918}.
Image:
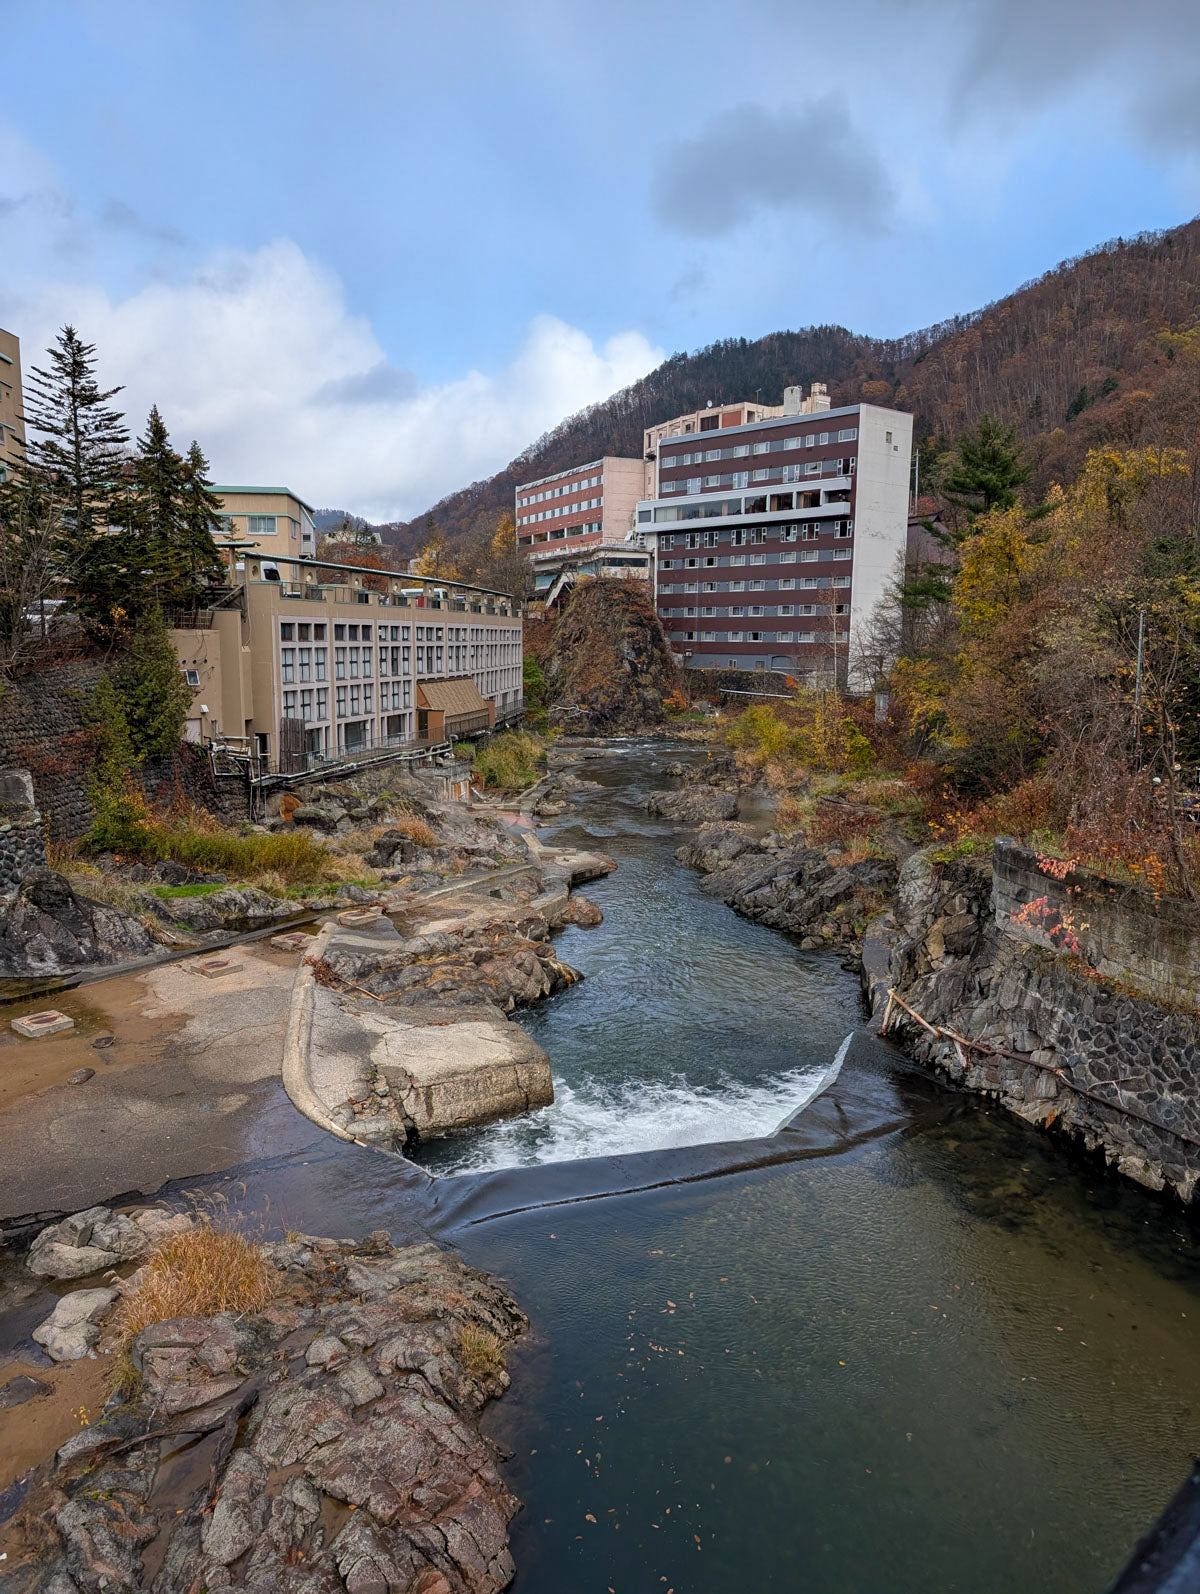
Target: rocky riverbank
{"x":410,"y":1037}
{"x":328,"y":1441}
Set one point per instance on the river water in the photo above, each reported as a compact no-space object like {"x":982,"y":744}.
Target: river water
{"x":908,"y":1347}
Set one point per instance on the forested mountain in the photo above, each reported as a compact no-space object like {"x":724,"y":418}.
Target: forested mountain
{"x":1074,"y":358}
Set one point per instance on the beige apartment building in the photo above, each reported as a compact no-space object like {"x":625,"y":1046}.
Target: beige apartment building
{"x":301,"y":661}
{"x":269,"y":519}
{"x":12,"y":409}
{"x":584,"y":507}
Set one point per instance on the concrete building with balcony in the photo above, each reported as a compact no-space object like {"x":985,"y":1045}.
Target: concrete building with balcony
{"x":774,"y":541}
{"x":271,"y":520}
{"x":12,"y":404}
{"x":299,"y":662}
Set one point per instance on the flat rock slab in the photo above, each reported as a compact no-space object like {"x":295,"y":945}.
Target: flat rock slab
{"x":354,"y":918}
{"x":450,"y":1068}
{"x":35,"y":1025}
{"x":293,"y":941}
{"x":217,"y":968}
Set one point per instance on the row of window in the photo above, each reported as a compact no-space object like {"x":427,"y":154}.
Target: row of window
{"x":775,"y":473}
{"x":788,"y":584}
{"x":726,"y":508}
{"x":349,"y":701}
{"x":587,"y":528}
{"x":561,"y":491}
{"x":776,"y":445}
{"x":566,"y":509}
{"x":804,"y":556}
{"x":758,"y":610}
{"x":740,"y":536}
{"x":757,"y":636}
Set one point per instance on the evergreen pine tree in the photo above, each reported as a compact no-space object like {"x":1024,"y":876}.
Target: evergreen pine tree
{"x":159,"y":517}
{"x":201,"y":518}
{"x":80,"y":444}
{"x":987,"y":471}
{"x":153,"y":692}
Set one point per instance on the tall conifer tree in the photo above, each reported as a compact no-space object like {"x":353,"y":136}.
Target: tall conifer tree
{"x":201,"y":519}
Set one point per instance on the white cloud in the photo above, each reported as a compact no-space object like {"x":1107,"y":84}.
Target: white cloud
{"x":256,"y":354}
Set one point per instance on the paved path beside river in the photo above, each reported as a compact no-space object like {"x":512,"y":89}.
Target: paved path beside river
{"x":189,"y":1086}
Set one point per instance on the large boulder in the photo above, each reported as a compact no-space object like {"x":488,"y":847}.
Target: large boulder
{"x":694,"y":805}
{"x":71,"y":1332}
{"x":328,"y":816}
{"x":236,"y":908}
{"x":98,"y":1238}
{"x":47,"y":929}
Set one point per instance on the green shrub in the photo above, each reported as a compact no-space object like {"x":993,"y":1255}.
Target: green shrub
{"x":509,"y":761}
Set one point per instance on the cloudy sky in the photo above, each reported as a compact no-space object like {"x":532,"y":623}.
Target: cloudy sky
{"x":371,"y":248}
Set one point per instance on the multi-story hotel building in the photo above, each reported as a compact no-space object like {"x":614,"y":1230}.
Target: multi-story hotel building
{"x":12,"y":413}
{"x":580,"y":508}
{"x":775,"y":540}
{"x":299,"y":660}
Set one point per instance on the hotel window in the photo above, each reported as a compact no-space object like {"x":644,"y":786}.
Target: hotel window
{"x":367,"y":693}
{"x":843,"y":553}
{"x":850,"y":434}
{"x":322,"y":703}
{"x":304,"y":633}
{"x":788,"y":558}
{"x":737,"y":612}
{"x":289,"y":705}
{"x":289,"y":664}
{"x":339,"y":633}
{"x":306,"y":663}
{"x":841,"y":581}
{"x":812,"y":581}
{"x":786,"y":584}
{"x":439,"y":661}
{"x":762,"y":448}
{"x":318,"y":633}
{"x":355,"y":699}
{"x":286,"y":631}
{"x":366,"y":659}
{"x":757,"y":610}
{"x":339,"y":664}
{"x":807,"y":555}
{"x":786,"y":608}
{"x":306,"y":705}
{"x":260,"y":525}
{"x":406,"y":656}
{"x":806,"y":636}
{"x":192,"y":677}
{"x":319,"y":662}
{"x":341,"y":702}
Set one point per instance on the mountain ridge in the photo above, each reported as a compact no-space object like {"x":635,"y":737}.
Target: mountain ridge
{"x":1072,"y":358}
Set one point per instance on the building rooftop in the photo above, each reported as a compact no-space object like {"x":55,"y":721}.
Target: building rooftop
{"x":277,"y":492}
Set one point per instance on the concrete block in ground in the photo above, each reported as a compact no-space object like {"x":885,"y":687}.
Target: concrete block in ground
{"x":214,"y":968}
{"x":51,"y":1022}
{"x":293,"y":941}
{"x":354,"y":917}
{"x":450,"y":1068}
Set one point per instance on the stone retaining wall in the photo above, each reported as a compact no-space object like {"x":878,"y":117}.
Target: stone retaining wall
{"x":22,"y":842}
{"x":43,"y":729}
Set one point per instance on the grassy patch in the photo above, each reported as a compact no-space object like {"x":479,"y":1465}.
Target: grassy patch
{"x":480,"y":1352}
{"x":197,"y":1274}
{"x":200,"y":889}
{"x":510,"y":761}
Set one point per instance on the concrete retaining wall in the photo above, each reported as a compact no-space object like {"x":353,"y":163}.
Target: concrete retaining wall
{"x":1125,"y":931}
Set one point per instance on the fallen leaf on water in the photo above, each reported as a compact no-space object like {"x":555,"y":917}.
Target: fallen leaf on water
{"x":588,"y":1517}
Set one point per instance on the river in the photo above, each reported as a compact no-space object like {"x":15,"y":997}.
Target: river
{"x":909,"y":1347}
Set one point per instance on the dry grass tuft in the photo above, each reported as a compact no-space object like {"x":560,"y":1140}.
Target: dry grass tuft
{"x":197,"y":1274}
{"x":480,"y":1352}
{"x":417,"y":830}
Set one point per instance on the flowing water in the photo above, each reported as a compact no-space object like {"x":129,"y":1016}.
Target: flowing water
{"x":909,"y":1346}
{"x":690,"y":1026}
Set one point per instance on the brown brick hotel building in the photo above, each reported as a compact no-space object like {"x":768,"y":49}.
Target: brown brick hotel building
{"x":775,"y":539}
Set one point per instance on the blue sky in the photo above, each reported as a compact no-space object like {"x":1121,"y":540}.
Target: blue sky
{"x":373,"y":249}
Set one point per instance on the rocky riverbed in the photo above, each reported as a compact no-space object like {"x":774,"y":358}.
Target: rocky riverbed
{"x":329,"y":1441}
